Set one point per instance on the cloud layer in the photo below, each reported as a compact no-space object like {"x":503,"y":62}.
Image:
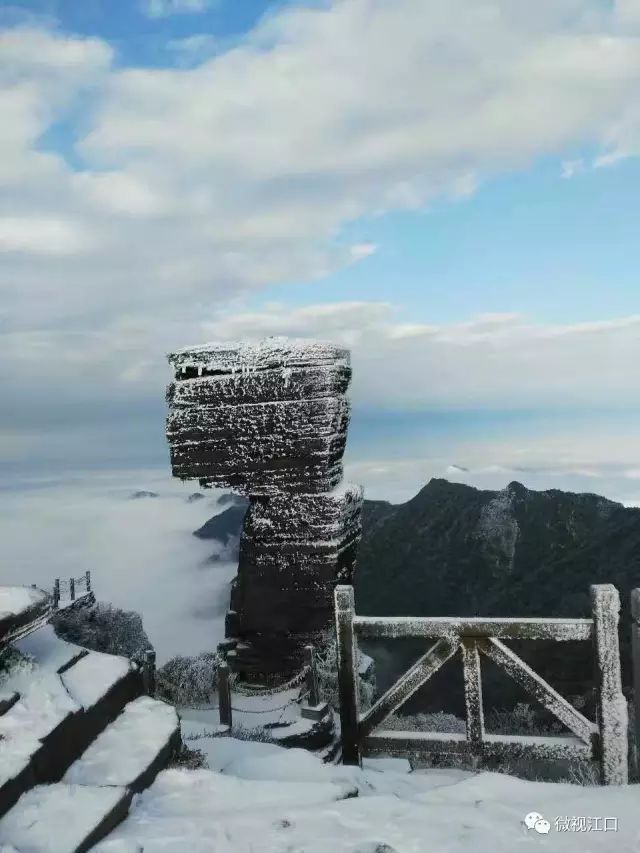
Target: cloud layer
{"x":141,"y":553}
{"x":189,"y":186}
{"x":496,"y":360}
{"x":139,"y":207}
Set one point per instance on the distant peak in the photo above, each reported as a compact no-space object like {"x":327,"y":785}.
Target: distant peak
{"x":142,"y":493}
{"x":517,"y":488}
{"x":439,"y":486}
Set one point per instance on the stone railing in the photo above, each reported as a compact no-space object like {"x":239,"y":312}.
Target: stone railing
{"x":603,"y":741}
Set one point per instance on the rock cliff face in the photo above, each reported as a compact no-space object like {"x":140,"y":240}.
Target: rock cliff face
{"x":270,"y":421}
{"x":456,"y":550}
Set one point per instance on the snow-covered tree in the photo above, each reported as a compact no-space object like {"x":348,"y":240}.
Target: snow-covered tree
{"x":103,"y":628}
{"x":189,"y":680}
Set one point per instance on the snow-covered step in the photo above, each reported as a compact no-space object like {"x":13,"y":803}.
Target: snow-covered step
{"x":63,"y":818}
{"x":50,"y":651}
{"x":133,"y":749}
{"x":67,"y":696}
{"x":93,"y":676}
{"x":43,"y":708}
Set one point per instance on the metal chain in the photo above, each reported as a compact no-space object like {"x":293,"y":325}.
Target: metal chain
{"x":246,"y":690}
{"x":202,"y":706}
{"x":266,"y":711}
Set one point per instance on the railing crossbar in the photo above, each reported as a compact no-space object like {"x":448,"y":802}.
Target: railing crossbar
{"x":379,"y":627}
{"x":411,"y":681}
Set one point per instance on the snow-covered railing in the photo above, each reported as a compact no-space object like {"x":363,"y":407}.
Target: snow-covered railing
{"x":604,"y":741}
{"x":72,"y":591}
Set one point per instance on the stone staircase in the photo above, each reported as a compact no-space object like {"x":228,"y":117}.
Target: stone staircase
{"x":77,"y":740}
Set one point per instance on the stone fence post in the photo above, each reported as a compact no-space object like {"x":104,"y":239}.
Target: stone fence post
{"x":612,"y":716}
{"x":149,"y":672}
{"x":347,"y":674}
{"x":312,"y":676}
{"x":224,"y":695}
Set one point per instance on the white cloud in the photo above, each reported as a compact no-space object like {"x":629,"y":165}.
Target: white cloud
{"x":195,"y":188}
{"x":165,"y":8}
{"x":571,"y":168}
{"x":226,"y":177}
{"x":566,"y":454}
{"x":43,"y":55}
{"x":500,"y":360}
{"x":192,"y":50}
{"x":141,"y":553}
{"x":359,"y":251}
{"x":121,"y":193}
{"x":43,"y":236}
{"x":627,"y":14}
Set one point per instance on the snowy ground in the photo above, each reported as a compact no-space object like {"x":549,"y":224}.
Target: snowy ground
{"x":259,"y":798}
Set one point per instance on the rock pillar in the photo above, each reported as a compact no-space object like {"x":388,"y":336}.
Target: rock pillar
{"x":270,"y":421}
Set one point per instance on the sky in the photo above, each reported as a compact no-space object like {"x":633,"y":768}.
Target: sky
{"x":450,"y":189}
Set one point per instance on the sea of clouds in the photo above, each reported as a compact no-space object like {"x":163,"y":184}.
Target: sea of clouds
{"x":141,"y":552}
{"x":143,"y":555}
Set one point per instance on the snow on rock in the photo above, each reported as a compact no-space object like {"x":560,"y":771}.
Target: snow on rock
{"x":282,"y":401}
{"x":43,"y":700}
{"x":46,"y":698}
{"x":314,"y":520}
{"x":56,"y":818}
{"x":127,"y":747}
{"x":270,"y":353}
{"x":296,"y":444}
{"x":90,"y":678}
{"x":498,"y":528}
{"x":49,"y":651}
{"x":42,"y":705}
{"x":294,"y":549}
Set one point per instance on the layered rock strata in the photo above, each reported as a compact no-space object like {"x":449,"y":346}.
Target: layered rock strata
{"x":270,"y":421}
{"x":260,"y":419}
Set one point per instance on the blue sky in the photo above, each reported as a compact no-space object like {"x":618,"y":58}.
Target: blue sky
{"x":140,"y":36}
{"x":560,"y":250}
{"x":451,"y":193}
